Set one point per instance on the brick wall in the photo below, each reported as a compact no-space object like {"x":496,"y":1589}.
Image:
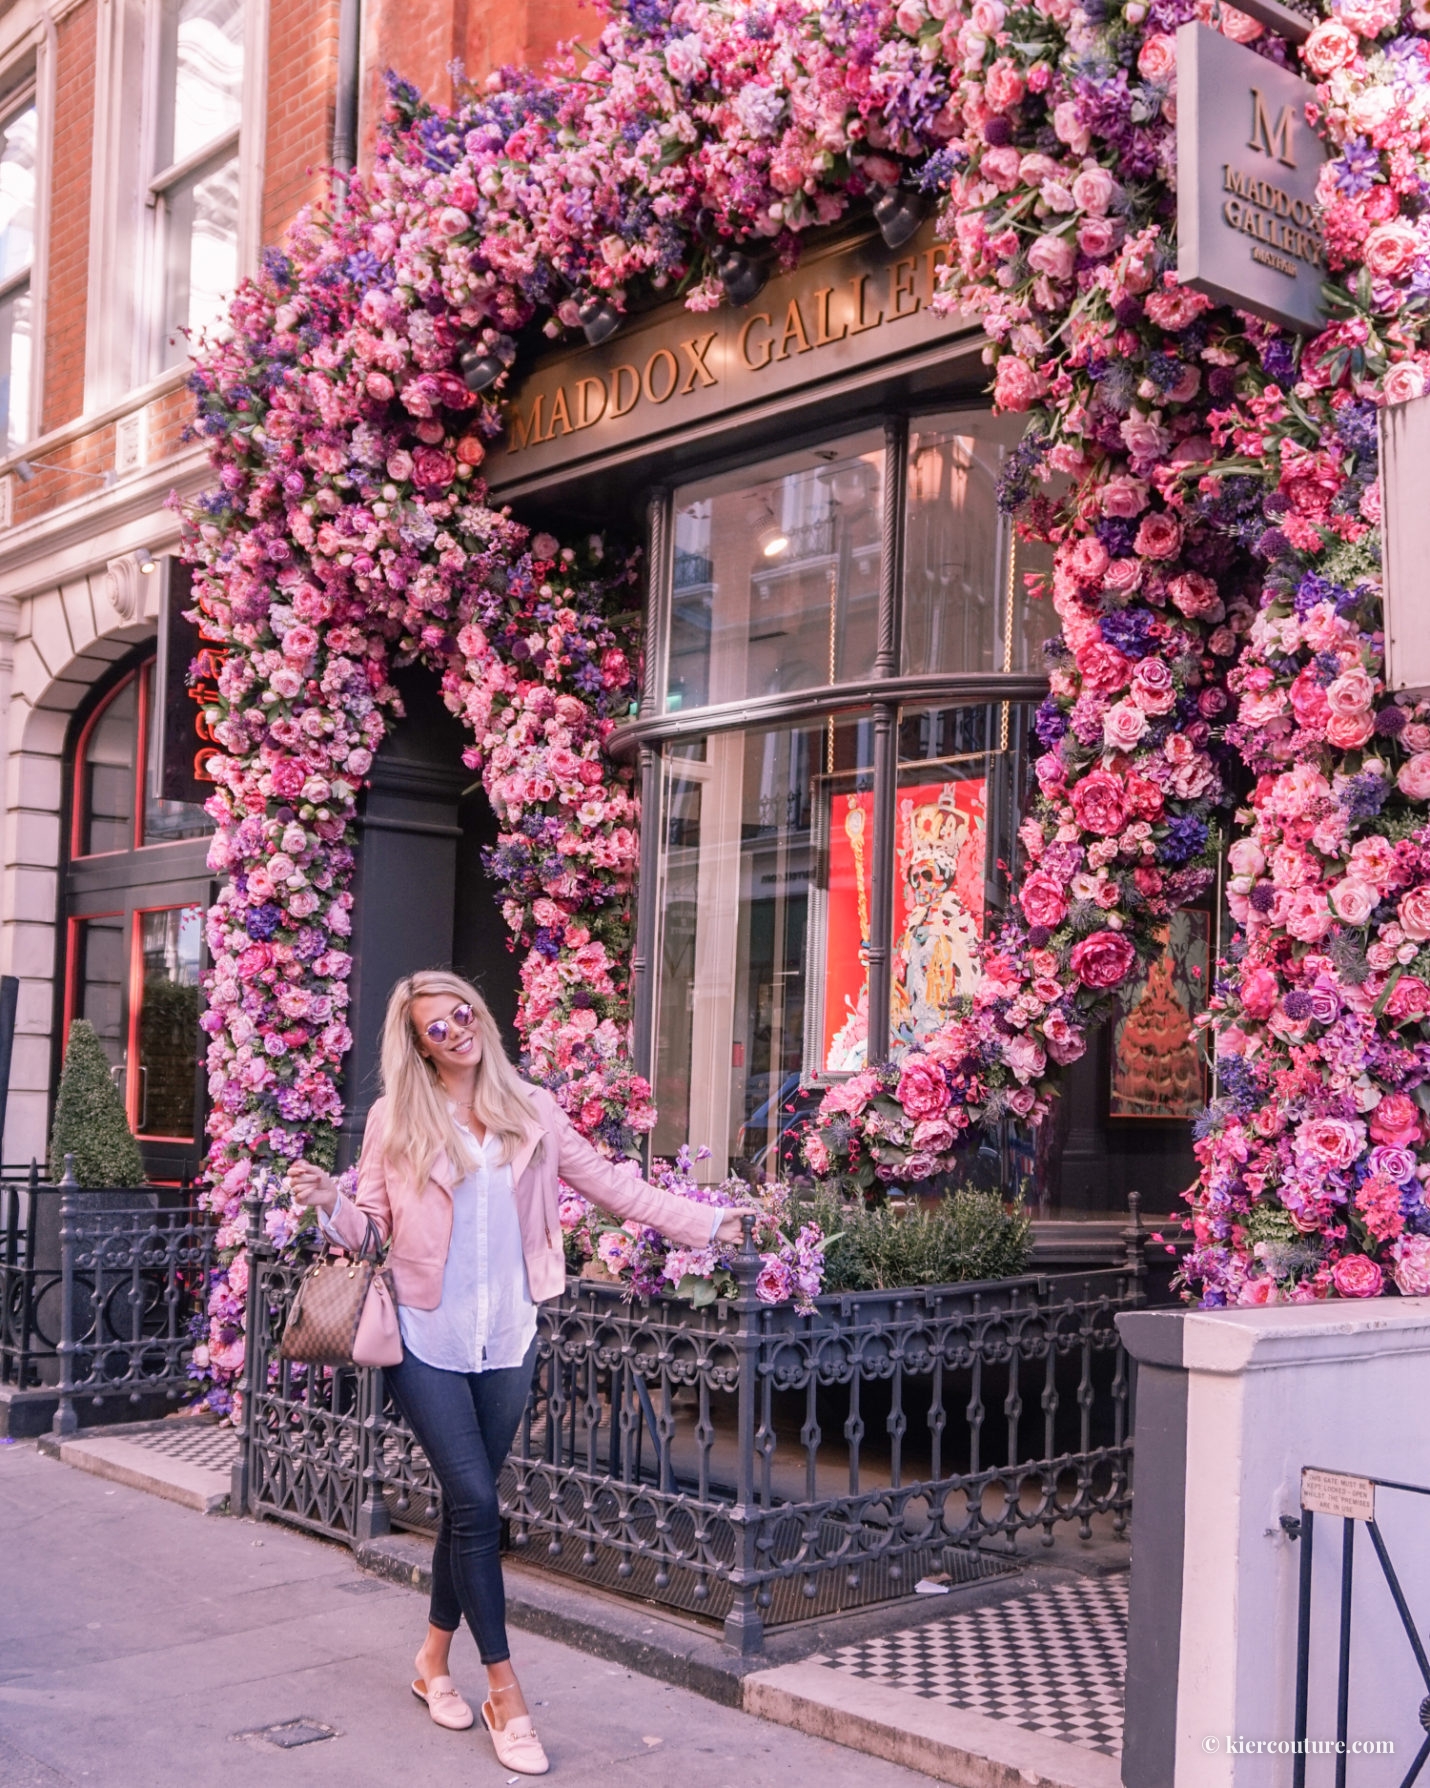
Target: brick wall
{"x":302,"y":77}
{"x":63,"y":396}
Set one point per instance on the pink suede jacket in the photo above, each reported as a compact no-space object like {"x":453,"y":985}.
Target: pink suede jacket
{"x":419,"y":1219}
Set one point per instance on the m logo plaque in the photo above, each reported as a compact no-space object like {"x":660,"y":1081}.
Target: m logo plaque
{"x":1248,"y":227}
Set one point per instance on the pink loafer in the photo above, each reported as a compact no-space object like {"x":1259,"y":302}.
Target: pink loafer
{"x":516,"y":1744}
{"x":444,"y":1704}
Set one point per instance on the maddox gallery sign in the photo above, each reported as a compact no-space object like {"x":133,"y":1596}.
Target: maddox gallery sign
{"x":840,"y":311}
{"x":1248,"y":227}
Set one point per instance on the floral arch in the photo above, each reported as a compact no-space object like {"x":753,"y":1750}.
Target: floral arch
{"x":1217,"y":674}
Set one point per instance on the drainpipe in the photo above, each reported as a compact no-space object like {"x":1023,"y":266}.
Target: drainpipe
{"x":345,"y":110}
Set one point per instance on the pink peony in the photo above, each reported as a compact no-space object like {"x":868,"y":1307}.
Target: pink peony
{"x":1369,"y":18}
{"x":1390,"y":248}
{"x":1329,"y":47}
{"x":1103,"y":960}
{"x":1307,"y":917}
{"x":1017,"y":386}
{"x":1098,"y":802}
{"x":922,"y":1090}
{"x":1411,"y":1271}
{"x":1052,"y":255}
{"x":1157,"y":59}
{"x":1413,"y":780}
{"x":1158,"y":537}
{"x":1357,"y":1276}
{"x":1409,"y":998}
{"x":1332,"y":1142}
{"x":1352,"y":901}
{"x":1042,"y":899}
{"x":1094,"y":189}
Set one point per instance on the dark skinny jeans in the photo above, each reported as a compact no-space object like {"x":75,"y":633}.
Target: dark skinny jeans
{"x":465,"y":1423}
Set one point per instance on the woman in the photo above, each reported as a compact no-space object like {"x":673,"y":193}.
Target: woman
{"x":459,"y":1165}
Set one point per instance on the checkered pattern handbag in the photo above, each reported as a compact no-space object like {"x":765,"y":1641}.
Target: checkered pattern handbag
{"x":333,"y":1299}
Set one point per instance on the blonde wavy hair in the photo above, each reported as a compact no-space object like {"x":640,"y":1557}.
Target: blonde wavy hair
{"x":419,"y":1123}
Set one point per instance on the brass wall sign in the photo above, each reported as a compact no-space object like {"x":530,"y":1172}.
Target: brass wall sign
{"x":847,"y":307}
{"x":1248,"y":227}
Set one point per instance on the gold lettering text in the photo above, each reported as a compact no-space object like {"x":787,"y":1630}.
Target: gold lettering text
{"x":934,"y":258}
{"x":695,"y":351}
{"x":1268,"y":138}
{"x":822,"y":337}
{"x":618,"y":408}
{"x":861,"y":322}
{"x":526,"y":430}
{"x":793,"y":332}
{"x":903,"y":299}
{"x":760,"y":316}
{"x":560,"y":415}
{"x":673,"y":372}
{"x":587,"y":414}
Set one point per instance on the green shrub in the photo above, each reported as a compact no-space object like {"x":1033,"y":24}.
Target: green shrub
{"x":964,"y":1236}
{"x":90,"y":1122}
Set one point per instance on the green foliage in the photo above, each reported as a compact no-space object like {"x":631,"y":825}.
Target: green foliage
{"x":90,"y":1122}
{"x":965,"y":1236}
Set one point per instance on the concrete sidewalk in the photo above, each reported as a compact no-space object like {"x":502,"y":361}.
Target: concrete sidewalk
{"x":143,"y":1645}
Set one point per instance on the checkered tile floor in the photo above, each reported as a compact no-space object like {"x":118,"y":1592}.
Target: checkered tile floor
{"x":1053,"y":1661}
{"x":211,"y":1445}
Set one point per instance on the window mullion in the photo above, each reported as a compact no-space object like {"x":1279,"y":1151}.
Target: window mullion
{"x":886,"y":739}
{"x":659,"y":573}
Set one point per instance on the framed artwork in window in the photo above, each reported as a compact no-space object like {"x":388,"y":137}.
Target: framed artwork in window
{"x":1158,"y":1070}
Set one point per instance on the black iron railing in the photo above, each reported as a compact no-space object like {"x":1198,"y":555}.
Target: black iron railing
{"x":740,"y":1461}
{"x":101,"y":1292}
{"x":1352,"y":1501}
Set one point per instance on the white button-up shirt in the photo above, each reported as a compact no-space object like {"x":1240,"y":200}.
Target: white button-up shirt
{"x":486,"y":1319}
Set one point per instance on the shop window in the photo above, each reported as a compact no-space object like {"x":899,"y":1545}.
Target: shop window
{"x":165,"y":1025}
{"x":194,"y":188}
{"x":18,"y":143}
{"x":100,"y":977}
{"x":116,"y":808}
{"x":776,"y":584}
{"x":966,"y":604}
{"x":764,"y":896}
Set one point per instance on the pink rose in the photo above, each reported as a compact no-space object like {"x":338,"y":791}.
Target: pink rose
{"x":1403,"y":383}
{"x":1099,"y":805}
{"x":1329,"y":47}
{"x":1396,"y":1121}
{"x":1413,"y":781}
{"x":1412,"y":1266}
{"x":1123,"y":725}
{"x":1157,"y":59}
{"x":1196,"y":596}
{"x":1042,"y":899}
{"x":1103,"y":960}
{"x":1390,"y":248}
{"x":1152,"y":687}
{"x":1086,"y":559}
{"x":1352,"y":901}
{"x":1066,"y":1042}
{"x":1016,"y":386}
{"x":1348,"y":732}
{"x":1093,"y":190}
{"x":1409,"y":998}
{"x":1414,"y":914}
{"x":1308,"y":918}
{"x":1124,"y":496}
{"x":1004,"y":85}
{"x":471,"y":451}
{"x":1102,"y":667}
{"x":1351,"y":693}
{"x":433,"y":467}
{"x":1144,"y":439}
{"x":1052,"y":255}
{"x":1158,"y":537}
{"x":1096,"y":237}
{"x":1025,"y":1057}
{"x":1124,"y":576}
{"x":922,"y":1090}
{"x":1357,"y":1276}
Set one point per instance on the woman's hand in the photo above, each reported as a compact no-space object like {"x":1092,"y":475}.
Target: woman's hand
{"x":311,"y":1186}
{"x":731,"y":1228}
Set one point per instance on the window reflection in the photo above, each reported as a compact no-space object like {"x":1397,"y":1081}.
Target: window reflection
{"x":17,"y":248}
{"x":965,"y":603}
{"x":168,"y":1034}
{"x":762,"y":953}
{"x":107,"y":775}
{"x":201,"y":76}
{"x":776,"y":577}
{"x":99,"y":981}
{"x":203,"y":254}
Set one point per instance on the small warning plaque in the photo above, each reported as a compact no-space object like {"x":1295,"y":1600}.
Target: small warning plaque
{"x":1337,"y":1493}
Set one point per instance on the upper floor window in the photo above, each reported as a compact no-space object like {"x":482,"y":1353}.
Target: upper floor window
{"x":18,"y":134}
{"x":194,"y":184}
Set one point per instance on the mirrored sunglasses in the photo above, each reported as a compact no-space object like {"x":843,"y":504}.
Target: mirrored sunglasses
{"x":460,"y":1018}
